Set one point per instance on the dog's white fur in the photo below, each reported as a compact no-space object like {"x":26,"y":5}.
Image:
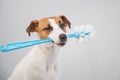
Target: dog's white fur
{"x":42,"y":61}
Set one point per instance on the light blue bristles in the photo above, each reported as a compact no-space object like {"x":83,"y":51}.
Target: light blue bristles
{"x":19,"y":45}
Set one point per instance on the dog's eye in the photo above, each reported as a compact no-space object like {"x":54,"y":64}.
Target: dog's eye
{"x":49,"y":28}
{"x":62,"y":25}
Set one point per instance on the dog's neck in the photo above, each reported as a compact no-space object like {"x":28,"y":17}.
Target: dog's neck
{"x":48,"y":48}
{"x":48,"y":51}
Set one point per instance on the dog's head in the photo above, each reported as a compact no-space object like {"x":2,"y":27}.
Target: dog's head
{"x":52,"y":27}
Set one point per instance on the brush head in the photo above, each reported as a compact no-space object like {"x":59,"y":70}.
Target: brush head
{"x":86,"y":32}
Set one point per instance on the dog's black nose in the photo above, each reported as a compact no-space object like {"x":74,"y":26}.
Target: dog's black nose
{"x":63,"y":38}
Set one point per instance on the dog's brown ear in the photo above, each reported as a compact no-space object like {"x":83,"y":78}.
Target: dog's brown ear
{"x":32,"y":27}
{"x":65,"y":20}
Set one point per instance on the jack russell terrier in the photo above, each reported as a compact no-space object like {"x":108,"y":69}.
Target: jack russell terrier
{"x":42,"y":63}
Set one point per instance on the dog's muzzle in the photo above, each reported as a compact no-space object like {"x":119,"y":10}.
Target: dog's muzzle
{"x":62,"y":40}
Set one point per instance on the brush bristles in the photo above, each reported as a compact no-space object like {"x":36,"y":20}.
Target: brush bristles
{"x":86,"y":32}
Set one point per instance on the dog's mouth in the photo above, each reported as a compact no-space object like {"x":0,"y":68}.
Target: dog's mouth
{"x":60,"y":43}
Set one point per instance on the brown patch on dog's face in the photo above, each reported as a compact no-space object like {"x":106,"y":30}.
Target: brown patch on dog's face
{"x":43,"y":27}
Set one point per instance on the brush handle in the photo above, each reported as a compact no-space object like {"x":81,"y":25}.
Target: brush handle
{"x":19,"y":45}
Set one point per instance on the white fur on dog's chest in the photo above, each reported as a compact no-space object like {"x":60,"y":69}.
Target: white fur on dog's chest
{"x":39,"y":64}
{"x":47,"y":55}
{"x":49,"y":58}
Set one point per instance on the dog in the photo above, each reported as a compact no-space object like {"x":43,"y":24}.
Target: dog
{"x":42,"y":63}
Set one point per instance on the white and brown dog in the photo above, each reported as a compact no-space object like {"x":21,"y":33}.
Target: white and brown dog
{"x":42,"y":63}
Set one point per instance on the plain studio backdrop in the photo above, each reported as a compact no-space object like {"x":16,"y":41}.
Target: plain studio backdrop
{"x":97,"y":59}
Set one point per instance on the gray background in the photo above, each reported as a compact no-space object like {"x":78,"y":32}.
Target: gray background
{"x":98,"y":59}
